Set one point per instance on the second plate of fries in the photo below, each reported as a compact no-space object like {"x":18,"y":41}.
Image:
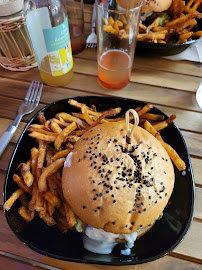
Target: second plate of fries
{"x":37,"y":212}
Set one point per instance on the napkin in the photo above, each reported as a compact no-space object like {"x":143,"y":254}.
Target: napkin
{"x":192,"y":53}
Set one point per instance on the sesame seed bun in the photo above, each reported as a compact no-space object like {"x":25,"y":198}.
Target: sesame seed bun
{"x":147,"y":6}
{"x":114,"y":190}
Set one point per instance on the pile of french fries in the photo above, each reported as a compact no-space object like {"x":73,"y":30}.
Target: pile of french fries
{"x":178,"y":27}
{"x":39,"y":179}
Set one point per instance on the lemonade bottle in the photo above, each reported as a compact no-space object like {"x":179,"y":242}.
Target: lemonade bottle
{"x":47,"y":24}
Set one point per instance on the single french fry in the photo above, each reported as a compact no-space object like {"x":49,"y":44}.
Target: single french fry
{"x":161,"y":125}
{"x":110,"y":112}
{"x":69,"y":118}
{"x":116,"y":27}
{"x":161,"y":41}
{"x":85,"y":114}
{"x":39,"y":205}
{"x":34,"y":157}
{"x":123,"y":19}
{"x":152,"y":117}
{"x":50,"y":209}
{"x":111,"y":21}
{"x":70,"y":216}
{"x":48,"y":220}
{"x":47,"y":125}
{"x":119,"y":23}
{"x":155,"y":23}
{"x":7,"y":205}
{"x":179,"y":163}
{"x":26,"y":174}
{"x":109,"y":29}
{"x":151,"y":36}
{"x":43,"y":137}
{"x":185,"y":36}
{"x":43,"y":211}
{"x":32,"y":203}
{"x":41,"y":158}
{"x":32,"y":129}
{"x":41,"y":118}
{"x":159,"y":28}
{"x":63,"y":135}
{"x":78,"y":105}
{"x":25,"y":213}
{"x":148,"y":126}
{"x":104,"y":21}
{"x":21,"y":183}
{"x":60,"y":154}
{"x":52,"y":199}
{"x":48,"y":171}
{"x":55,"y":127}
{"x":36,"y":126}
{"x":145,"y":109}
{"x":197,"y":34}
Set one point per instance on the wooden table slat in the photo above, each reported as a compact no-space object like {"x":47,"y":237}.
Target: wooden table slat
{"x":8,"y":243}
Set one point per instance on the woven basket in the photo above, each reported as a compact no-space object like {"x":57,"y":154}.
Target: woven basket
{"x":16,"y":52}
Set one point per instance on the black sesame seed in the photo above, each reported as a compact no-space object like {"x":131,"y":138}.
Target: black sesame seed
{"x":98,"y":207}
{"x":132,"y":223}
{"x":141,"y":226}
{"x":94,"y":199}
{"x":114,"y":201}
{"x":113,"y":222}
{"x":129,"y":212}
{"x":84,"y":156}
{"x":84,"y":207}
{"x":112,"y":195}
{"x":139,"y":212}
{"x":100,"y":194}
{"x":107,"y":191}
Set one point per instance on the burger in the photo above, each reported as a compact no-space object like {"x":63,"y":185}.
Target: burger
{"x":150,"y":9}
{"x":117,"y":192}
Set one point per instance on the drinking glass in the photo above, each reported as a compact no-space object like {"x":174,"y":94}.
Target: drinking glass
{"x":117,"y":28}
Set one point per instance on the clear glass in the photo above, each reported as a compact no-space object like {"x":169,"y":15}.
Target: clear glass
{"x":75,"y":12}
{"x":41,"y":15}
{"x":117,"y":29}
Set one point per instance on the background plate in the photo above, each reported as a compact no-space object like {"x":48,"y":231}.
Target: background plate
{"x":165,"y":235}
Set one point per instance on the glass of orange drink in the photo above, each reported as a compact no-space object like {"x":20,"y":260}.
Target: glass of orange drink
{"x":117,"y":27}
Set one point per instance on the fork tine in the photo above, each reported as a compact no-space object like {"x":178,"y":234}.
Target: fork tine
{"x":39,"y":95}
{"x":28,"y":93}
{"x":35,"y":92}
{"x":32,"y":93}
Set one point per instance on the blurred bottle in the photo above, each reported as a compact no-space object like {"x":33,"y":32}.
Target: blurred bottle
{"x":75,"y":12}
{"x":47,"y":24}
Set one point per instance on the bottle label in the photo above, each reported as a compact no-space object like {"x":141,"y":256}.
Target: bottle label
{"x":58,"y":45}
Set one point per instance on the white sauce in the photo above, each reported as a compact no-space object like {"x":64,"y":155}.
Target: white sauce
{"x":99,"y":241}
{"x":68,"y":160}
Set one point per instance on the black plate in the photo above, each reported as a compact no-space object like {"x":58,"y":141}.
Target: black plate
{"x":160,"y":240}
{"x":162,"y":49}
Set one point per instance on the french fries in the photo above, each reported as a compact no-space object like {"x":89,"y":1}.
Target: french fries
{"x":40,"y":176}
{"x":176,"y":25}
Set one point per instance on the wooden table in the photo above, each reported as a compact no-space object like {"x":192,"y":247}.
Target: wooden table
{"x":169,"y":85}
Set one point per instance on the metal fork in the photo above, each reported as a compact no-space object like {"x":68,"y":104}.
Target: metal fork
{"x":29,"y":104}
{"x":91,"y":41}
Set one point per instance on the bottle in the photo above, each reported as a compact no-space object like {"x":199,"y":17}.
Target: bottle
{"x":75,"y":12}
{"x":47,"y":24}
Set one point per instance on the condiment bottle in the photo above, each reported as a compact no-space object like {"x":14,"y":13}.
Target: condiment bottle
{"x":47,"y":24}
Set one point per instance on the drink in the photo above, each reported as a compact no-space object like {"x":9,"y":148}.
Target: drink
{"x":114,"y":69}
{"x":78,"y":40}
{"x":48,"y":28}
{"x":46,"y":76}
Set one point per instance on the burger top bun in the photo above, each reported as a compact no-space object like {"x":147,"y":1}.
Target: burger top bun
{"x":147,"y":6}
{"x":115,"y":190}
